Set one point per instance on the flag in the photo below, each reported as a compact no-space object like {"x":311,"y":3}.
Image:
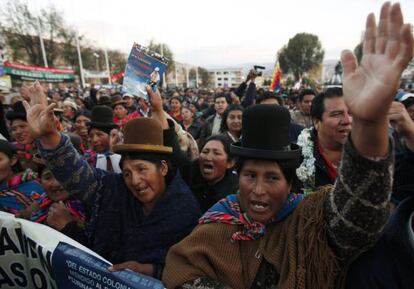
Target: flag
{"x":277,"y":78}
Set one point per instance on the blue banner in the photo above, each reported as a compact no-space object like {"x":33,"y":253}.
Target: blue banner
{"x":76,"y":268}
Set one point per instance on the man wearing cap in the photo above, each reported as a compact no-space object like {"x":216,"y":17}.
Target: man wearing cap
{"x":130,"y":102}
{"x":99,"y":131}
{"x":268,"y":237}
{"x":407,"y":99}
{"x":136,"y":216}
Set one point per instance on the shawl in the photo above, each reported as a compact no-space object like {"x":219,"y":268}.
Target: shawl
{"x":20,"y":192}
{"x":297,"y":247}
{"x":74,"y":206}
{"x":227,"y":211}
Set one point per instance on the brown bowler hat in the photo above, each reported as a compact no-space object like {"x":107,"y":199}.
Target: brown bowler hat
{"x":142,"y":135}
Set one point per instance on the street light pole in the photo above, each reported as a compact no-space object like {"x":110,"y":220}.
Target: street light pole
{"x":97,"y":60}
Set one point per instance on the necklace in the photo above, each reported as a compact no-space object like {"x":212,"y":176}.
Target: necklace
{"x":306,"y":171}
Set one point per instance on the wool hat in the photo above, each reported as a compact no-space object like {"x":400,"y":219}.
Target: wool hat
{"x":70,"y":103}
{"x":142,"y":135}
{"x":266,"y":134}
{"x":18,"y":112}
{"x":101,"y":118}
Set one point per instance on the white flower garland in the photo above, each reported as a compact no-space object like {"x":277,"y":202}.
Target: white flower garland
{"x":306,"y":171}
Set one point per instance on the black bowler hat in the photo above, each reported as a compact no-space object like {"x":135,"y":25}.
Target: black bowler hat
{"x":101,"y":118}
{"x":18,"y":112}
{"x":104,"y":100}
{"x":265,"y":134}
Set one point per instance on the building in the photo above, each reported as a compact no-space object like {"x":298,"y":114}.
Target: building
{"x":226,"y":77}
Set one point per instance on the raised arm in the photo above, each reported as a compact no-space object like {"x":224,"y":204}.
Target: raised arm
{"x":74,"y":173}
{"x":357,"y":209}
{"x":178,"y":158}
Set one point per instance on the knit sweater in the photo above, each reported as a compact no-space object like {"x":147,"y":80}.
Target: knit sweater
{"x":311,"y":248}
{"x":117,"y":228}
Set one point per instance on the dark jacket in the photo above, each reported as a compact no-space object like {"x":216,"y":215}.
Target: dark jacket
{"x":206,"y":129}
{"x":117,"y":228}
{"x":190,"y":171}
{"x":294,"y":132}
{"x":390,"y":263}
{"x":250,"y":95}
{"x":321,"y":172}
{"x":208,"y":195}
{"x":194,"y":129}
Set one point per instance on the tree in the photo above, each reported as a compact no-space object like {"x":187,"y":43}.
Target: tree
{"x":69,"y":52}
{"x":167,"y":52}
{"x":205,"y":76}
{"x":358,"y":52}
{"x":117,"y":60}
{"x":21,"y":32}
{"x":302,"y":53}
{"x":21,"y":26}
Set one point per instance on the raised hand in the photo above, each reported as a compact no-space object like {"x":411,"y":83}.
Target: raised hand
{"x":40,"y":115}
{"x":156,"y":106}
{"x":59,"y":216}
{"x":370,"y":87}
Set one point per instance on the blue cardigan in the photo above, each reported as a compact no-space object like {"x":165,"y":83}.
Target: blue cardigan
{"x":117,"y":228}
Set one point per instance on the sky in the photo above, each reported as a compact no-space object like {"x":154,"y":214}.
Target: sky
{"x":220,"y":32}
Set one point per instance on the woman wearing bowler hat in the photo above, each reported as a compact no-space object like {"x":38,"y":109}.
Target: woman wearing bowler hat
{"x":266,"y":236}
{"x":135,"y":216}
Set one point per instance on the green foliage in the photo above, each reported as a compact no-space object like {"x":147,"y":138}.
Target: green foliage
{"x":167,"y":52}
{"x":204,"y":76}
{"x":21,"y":34}
{"x":302,"y":53}
{"x":267,"y":82}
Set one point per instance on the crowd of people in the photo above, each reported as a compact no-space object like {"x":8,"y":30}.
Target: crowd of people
{"x":232,"y":187}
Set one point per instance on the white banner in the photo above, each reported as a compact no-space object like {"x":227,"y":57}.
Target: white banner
{"x":34,"y":256}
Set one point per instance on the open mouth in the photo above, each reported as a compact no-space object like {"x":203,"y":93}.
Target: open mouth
{"x":258,"y":206}
{"x":207,"y":169}
{"x":142,"y":191}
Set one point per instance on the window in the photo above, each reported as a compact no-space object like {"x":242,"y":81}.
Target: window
{"x":218,"y":72}
{"x":225,"y":72}
{"x":219,"y":78}
{"x":225,"y":78}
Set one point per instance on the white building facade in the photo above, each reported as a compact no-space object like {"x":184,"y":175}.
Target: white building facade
{"x":226,"y":77}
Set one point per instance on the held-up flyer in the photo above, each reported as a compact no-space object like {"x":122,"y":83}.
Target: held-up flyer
{"x":34,"y":256}
{"x":144,"y":67}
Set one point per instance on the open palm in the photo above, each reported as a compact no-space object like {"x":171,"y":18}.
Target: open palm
{"x":40,"y":117}
{"x":370,"y":87}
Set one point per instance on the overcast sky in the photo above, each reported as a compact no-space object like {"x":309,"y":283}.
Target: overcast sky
{"x":220,"y":32}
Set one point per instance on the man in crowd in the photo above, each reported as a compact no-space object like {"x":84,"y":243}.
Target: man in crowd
{"x":332,"y":124}
{"x":302,"y":116}
{"x":213,"y":122}
{"x":130,"y":102}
